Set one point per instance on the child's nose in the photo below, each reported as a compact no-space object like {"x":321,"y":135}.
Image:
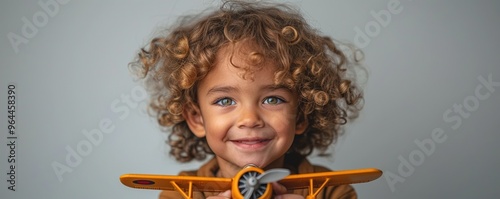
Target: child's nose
{"x":249,"y":117}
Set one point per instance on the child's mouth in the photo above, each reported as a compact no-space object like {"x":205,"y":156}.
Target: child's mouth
{"x":252,"y":143}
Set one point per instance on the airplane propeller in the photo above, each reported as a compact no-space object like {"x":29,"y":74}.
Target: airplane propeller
{"x":253,"y":185}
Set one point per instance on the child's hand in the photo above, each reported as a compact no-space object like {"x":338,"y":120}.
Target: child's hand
{"x":223,"y":195}
{"x":279,"y":190}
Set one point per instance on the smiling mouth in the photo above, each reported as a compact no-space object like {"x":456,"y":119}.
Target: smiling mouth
{"x":251,"y":143}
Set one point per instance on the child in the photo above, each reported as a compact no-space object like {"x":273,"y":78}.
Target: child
{"x":250,"y":83}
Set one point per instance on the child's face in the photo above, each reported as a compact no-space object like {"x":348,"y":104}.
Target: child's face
{"x":245,"y":120}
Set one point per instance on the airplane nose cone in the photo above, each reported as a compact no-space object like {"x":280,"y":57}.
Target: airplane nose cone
{"x":252,"y":181}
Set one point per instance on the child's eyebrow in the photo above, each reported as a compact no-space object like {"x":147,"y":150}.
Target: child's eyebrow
{"x":277,"y":87}
{"x":228,"y":89}
{"x":222,"y":89}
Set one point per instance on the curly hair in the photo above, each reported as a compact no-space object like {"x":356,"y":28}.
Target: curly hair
{"x":312,"y":65}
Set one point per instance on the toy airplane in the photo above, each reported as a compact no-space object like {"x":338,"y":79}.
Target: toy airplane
{"x":251,"y":182}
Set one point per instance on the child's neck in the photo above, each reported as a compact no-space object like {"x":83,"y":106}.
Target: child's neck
{"x":229,"y":170}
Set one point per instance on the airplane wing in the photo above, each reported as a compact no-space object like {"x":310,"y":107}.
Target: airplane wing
{"x":167,"y":182}
{"x":330,"y":178}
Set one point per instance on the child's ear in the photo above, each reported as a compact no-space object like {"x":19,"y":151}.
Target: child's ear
{"x":193,"y":117}
{"x":301,"y":126}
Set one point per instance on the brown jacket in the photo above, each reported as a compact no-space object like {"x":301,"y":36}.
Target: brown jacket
{"x":211,"y":167}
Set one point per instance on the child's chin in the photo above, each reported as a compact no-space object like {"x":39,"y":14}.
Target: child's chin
{"x":257,"y":162}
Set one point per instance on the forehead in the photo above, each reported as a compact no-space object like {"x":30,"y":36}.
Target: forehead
{"x":235,"y":71}
{"x":245,"y":55}
{"x":239,"y":65}
{"x":243,"y":62}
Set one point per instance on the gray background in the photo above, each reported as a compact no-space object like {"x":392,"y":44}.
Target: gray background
{"x":426,"y":60}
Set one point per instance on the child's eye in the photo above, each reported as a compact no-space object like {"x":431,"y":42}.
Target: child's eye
{"x":273,"y":100}
{"x":225,"y":102}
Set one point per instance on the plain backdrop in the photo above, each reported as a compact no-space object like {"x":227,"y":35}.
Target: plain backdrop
{"x":430,"y":120}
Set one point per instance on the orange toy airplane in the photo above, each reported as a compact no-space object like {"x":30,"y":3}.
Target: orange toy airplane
{"x":251,"y":182}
